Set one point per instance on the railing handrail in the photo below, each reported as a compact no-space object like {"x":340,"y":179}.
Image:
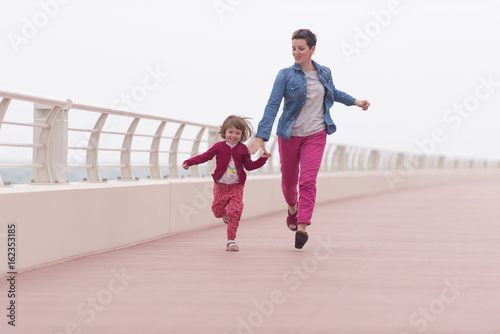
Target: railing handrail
{"x":118,"y":112}
{"x":45,"y":162}
{"x":337,"y":157}
{"x":17,"y":95}
{"x":68,"y":103}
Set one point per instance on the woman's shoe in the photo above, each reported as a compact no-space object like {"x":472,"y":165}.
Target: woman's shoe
{"x":301,"y":238}
{"x":291,"y":221}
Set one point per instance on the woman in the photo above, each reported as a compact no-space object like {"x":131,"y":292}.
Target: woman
{"x":302,"y":128}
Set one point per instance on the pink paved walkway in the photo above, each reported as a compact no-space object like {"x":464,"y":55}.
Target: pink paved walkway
{"x":417,"y":261}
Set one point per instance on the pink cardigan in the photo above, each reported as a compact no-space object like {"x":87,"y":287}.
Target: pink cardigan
{"x":223,"y":151}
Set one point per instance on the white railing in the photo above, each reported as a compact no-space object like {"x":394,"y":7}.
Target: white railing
{"x":54,"y":148}
{"x":52,"y":155}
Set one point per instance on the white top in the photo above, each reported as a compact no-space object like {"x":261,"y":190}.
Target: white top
{"x":311,"y":119}
{"x":231,"y":175}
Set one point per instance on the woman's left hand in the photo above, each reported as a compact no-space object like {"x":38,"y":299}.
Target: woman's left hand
{"x":364,"y":104}
{"x":257,"y":144}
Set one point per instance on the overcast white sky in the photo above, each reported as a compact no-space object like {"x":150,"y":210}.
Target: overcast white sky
{"x":426,"y":66}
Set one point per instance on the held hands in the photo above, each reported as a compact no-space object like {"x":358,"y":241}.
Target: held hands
{"x":265,"y":155}
{"x":257,"y":143}
{"x":364,"y":104}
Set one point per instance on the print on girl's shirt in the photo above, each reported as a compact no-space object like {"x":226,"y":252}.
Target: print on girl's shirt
{"x":231,"y":168}
{"x":231,"y":175}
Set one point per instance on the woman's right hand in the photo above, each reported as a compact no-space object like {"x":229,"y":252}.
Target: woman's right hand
{"x":257,"y":143}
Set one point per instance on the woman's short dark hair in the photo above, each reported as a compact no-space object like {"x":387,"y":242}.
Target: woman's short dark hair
{"x":306,"y":34}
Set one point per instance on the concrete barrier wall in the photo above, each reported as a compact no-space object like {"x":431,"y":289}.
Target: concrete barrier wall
{"x":58,"y":222}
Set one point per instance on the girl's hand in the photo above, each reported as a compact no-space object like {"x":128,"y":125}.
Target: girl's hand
{"x":266,"y":155}
{"x":364,"y":104}
{"x":185,"y":166}
{"x":256,"y":144}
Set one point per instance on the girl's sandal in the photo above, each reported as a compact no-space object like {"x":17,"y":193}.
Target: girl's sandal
{"x":231,"y":246}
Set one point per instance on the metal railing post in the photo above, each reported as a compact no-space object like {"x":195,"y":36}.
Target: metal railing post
{"x":213,"y":135}
{"x":324,"y":162}
{"x":52,"y":141}
{"x":195,"y":170}
{"x":441,"y":162}
{"x":339,"y":159}
{"x":3,"y":109}
{"x":92,"y":155}
{"x":400,"y":161}
{"x":126,"y":154}
{"x":154,"y":156}
{"x":270,"y":165}
{"x":174,"y":148}
{"x":373,"y":160}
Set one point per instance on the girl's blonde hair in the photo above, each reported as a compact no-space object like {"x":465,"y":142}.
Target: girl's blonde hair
{"x":240,"y":123}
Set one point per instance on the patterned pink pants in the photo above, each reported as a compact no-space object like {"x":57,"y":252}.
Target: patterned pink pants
{"x":228,"y":201}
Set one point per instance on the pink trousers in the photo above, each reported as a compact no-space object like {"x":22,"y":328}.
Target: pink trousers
{"x":300,"y":159}
{"x":228,"y":201}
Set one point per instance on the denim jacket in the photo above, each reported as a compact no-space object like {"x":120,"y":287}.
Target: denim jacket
{"x":291,"y":84}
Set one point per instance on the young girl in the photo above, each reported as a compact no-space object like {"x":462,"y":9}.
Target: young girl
{"x":229,"y":175}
